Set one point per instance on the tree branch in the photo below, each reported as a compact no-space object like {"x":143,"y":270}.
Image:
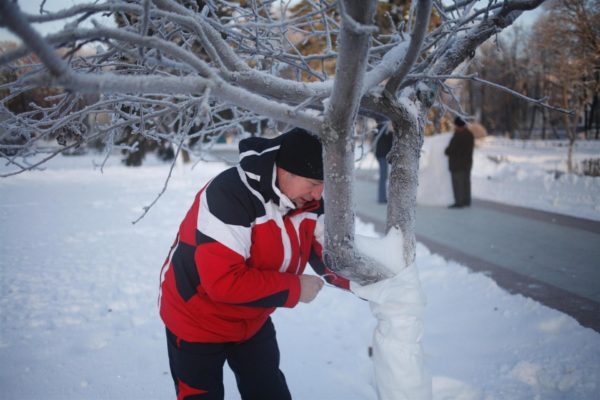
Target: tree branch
{"x":15,"y":21}
{"x":416,"y":41}
{"x":462,"y":48}
{"x":540,"y":102}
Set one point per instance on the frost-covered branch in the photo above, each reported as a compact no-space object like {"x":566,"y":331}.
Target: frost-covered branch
{"x":540,"y":102}
{"x":414,"y":49}
{"x":112,"y":83}
{"x":15,"y":21}
{"x":463,"y":48}
{"x":164,"y":188}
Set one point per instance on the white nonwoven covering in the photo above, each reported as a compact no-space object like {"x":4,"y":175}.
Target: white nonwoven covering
{"x":398,"y":304}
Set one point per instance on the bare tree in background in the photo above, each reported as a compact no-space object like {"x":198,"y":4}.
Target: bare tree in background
{"x":206,"y":57}
{"x":500,"y":60}
{"x":558,"y":58}
{"x":571,"y":49}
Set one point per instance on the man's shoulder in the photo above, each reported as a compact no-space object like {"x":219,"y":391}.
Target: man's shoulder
{"x":230,"y":200}
{"x":229,"y":187}
{"x":227,"y":180}
{"x":464,"y":135}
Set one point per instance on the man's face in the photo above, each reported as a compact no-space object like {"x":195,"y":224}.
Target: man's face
{"x":298,"y":189}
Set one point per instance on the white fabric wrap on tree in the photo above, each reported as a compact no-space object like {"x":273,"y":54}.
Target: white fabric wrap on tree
{"x":398,"y":304}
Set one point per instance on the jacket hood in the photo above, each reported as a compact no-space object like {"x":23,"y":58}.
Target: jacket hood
{"x":257,"y":161}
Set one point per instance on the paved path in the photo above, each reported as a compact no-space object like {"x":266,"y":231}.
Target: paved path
{"x":551,"y":258}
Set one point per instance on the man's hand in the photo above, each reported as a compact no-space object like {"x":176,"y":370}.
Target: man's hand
{"x":310,"y":286}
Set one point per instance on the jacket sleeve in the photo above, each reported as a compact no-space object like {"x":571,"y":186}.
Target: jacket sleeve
{"x":316,"y":258}
{"x":223,"y":238}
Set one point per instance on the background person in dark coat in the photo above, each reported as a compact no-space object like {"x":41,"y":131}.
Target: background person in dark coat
{"x":460,"y":161}
{"x":383,"y":145}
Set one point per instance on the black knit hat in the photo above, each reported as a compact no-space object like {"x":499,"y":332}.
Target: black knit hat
{"x":301,"y":154}
{"x":458,"y":121}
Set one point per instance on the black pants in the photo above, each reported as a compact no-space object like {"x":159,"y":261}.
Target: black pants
{"x":461,"y":186}
{"x":197,"y":368}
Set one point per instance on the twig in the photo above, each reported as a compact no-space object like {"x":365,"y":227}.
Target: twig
{"x":541,"y":102}
{"x":148,"y":207}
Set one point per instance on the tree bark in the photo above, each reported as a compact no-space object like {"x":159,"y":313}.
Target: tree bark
{"x":404,"y":160}
{"x":338,"y":142}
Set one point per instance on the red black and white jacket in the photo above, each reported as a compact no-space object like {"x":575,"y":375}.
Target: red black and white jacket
{"x":239,"y":252}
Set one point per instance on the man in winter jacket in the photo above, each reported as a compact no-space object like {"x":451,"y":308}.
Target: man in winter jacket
{"x":240,"y":253}
{"x":460,"y":161}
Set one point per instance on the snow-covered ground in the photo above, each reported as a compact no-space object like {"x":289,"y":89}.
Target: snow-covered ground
{"x":533,"y":173}
{"x":79,"y":286}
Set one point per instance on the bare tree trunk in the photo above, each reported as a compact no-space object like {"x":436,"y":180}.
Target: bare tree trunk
{"x":593,"y":117}
{"x":570,"y":130}
{"x":532,"y":123}
{"x":545,"y":123}
{"x":404,"y":159}
{"x":338,"y":142}
{"x":185,"y":157}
